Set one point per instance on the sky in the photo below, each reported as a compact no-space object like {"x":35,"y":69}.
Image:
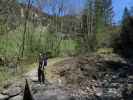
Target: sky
{"x":77,"y":6}
{"x":118,"y":7}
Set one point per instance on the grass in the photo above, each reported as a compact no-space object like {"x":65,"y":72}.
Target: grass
{"x":67,"y":47}
{"x":6,"y":74}
{"x":10,"y":47}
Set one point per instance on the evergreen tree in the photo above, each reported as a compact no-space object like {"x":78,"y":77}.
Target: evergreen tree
{"x":99,"y":15}
{"x":88,"y":27}
{"x":103,"y":14}
{"x":127,"y":34}
{"x":96,"y":18}
{"x":103,"y":20}
{"x":124,"y":43}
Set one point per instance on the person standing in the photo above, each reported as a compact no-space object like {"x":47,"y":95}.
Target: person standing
{"x":42,"y":64}
{"x":45,"y":58}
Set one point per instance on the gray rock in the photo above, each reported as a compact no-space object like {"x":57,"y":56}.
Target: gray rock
{"x":99,"y":92}
{"x":12,"y":91}
{"x":3,"y":97}
{"x":19,"y":97}
{"x":52,"y":93}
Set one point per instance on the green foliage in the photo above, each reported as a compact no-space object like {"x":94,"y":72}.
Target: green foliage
{"x":68,"y":47}
{"x":96,"y":25}
{"x":37,"y":40}
{"x":104,"y":29}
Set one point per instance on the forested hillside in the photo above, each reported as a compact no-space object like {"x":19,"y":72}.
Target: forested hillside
{"x":31,"y":30}
{"x":29,"y":23}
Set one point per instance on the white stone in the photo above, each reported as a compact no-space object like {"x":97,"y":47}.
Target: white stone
{"x":3,"y":97}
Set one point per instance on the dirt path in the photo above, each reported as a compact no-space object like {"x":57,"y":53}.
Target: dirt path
{"x":47,"y":91}
{"x":32,"y":75}
{"x":40,"y":91}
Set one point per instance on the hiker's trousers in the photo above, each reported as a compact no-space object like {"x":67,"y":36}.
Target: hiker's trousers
{"x":41,"y":77}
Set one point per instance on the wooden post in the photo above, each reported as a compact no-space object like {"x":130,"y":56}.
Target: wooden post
{"x":27,"y":92}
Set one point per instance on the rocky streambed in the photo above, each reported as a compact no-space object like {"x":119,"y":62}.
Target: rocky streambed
{"x":87,"y":78}
{"x":12,"y":92}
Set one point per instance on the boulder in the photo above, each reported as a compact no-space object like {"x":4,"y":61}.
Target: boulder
{"x":12,"y":91}
{"x":3,"y":97}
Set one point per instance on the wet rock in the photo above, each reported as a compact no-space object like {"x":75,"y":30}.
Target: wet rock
{"x":3,"y":97}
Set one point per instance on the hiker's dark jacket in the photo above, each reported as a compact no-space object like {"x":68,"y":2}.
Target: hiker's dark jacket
{"x":42,"y":62}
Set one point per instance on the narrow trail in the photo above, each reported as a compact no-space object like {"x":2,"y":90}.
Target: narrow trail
{"x":32,"y":75}
{"x":47,"y":91}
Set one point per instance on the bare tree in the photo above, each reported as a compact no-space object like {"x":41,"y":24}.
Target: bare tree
{"x":28,"y":6}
